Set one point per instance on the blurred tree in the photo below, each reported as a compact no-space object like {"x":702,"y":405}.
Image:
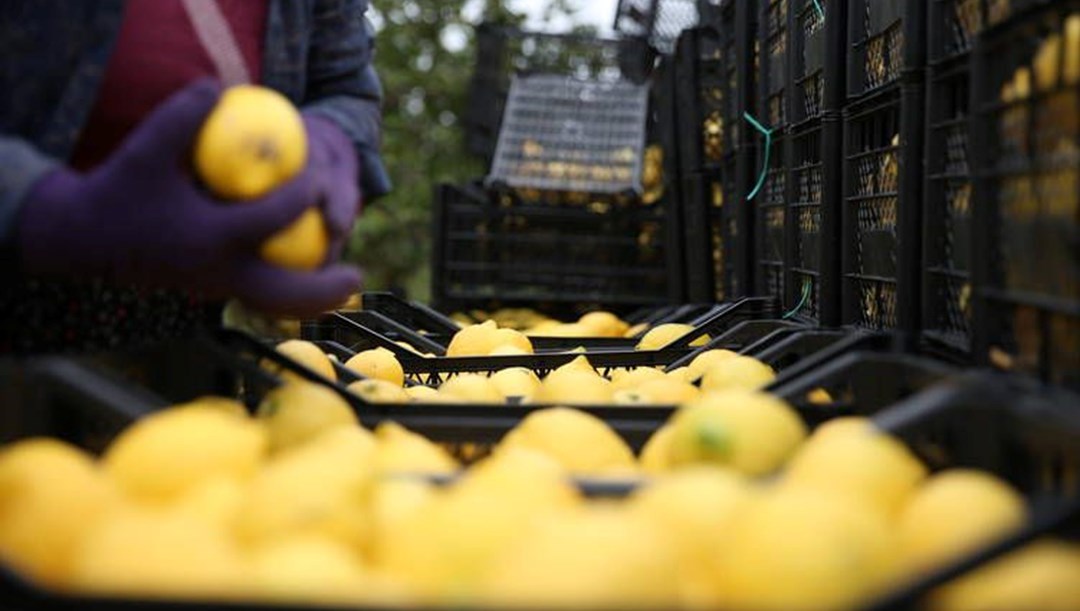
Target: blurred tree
{"x":424,"y":55}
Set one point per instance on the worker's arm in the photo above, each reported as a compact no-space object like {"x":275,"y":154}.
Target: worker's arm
{"x":21,"y":166}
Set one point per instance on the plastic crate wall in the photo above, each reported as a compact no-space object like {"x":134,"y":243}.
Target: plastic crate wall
{"x":658,"y":21}
{"x":502,"y":52}
{"x":489,"y":249}
{"x":948,"y":201}
{"x":560,"y":133}
{"x":1026,"y":140}
{"x":886,"y":38}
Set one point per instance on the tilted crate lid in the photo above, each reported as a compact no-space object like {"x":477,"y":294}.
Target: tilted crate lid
{"x":562,"y":133}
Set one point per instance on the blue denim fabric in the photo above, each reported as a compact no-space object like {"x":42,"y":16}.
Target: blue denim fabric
{"x":53,"y":55}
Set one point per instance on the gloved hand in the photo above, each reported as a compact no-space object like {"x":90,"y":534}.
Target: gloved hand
{"x":335,"y":169}
{"x":140,"y":218}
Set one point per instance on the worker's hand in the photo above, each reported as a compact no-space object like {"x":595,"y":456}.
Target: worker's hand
{"x":141,"y":218}
{"x":335,"y":170}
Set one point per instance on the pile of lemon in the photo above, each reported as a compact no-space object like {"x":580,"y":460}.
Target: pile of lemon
{"x":599,"y":323}
{"x":300,"y":503}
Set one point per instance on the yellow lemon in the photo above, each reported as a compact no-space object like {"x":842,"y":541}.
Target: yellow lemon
{"x":623,"y":379}
{"x":502,"y":338}
{"x":706,"y":361}
{"x":1041,"y":575}
{"x":636,"y":330}
{"x":50,"y":494}
{"x":567,"y":330}
{"x":819,"y":396}
{"x":862,"y":463}
{"x":393,"y":501}
{"x":667,"y":391}
{"x":307,"y":354}
{"x":157,"y":554}
{"x":474,"y":340}
{"x":662,"y":335}
{"x":574,"y":387}
{"x":252,"y":142}
{"x":737,"y":372}
{"x":508,"y":350}
{"x":695,"y":507}
{"x":802,"y":549}
{"x":516,"y":382}
{"x":231,"y":407}
{"x":160,"y":457}
{"x":377,"y":363}
{"x":521,"y":475}
{"x":215,"y":502}
{"x":604,"y":324}
{"x":297,"y":412}
{"x":654,"y":456}
{"x":681,"y":374}
{"x":582,"y":443}
{"x":752,"y":432}
{"x":422,"y":394}
{"x":311,"y":490}
{"x":379,"y":391}
{"x":472,"y":387}
{"x":954,"y":513}
{"x":598,"y":557}
{"x":400,"y":450}
{"x":306,"y":569}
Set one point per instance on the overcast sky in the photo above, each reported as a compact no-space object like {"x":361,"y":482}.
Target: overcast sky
{"x":600,"y":13}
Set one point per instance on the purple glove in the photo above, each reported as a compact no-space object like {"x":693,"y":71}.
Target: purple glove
{"x":334,"y":167}
{"x":140,"y":218}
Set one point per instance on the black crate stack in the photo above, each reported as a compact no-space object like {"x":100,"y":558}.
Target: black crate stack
{"x":1026,"y":141}
{"x":883,"y":136}
{"x":716,"y":67}
{"x":658,"y":21}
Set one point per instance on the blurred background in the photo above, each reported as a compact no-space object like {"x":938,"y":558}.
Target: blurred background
{"x":425,"y":56}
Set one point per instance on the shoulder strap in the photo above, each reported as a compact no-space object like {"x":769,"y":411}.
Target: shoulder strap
{"x":216,"y":37}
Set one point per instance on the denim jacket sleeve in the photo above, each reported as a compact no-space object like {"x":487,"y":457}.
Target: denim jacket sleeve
{"x":21,"y":165}
{"x":342,"y":84}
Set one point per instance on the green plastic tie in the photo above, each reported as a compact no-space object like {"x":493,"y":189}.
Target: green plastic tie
{"x":768,"y":150}
{"x":802,"y":301}
{"x":820,"y":10}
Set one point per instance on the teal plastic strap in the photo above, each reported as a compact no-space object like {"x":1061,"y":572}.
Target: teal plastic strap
{"x":820,"y":10}
{"x":802,"y":302}
{"x":768,"y":151}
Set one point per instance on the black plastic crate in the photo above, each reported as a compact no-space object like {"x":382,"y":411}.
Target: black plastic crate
{"x":502,"y":52}
{"x":565,"y":134}
{"x":490,"y":250}
{"x":886,"y":40}
{"x":717,"y":67}
{"x":1026,"y":138}
{"x":881,"y":218}
{"x":658,"y":21}
{"x":948,"y":201}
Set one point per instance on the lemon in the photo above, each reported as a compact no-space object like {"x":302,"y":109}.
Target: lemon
{"x":579,"y":363}
{"x":682,"y":374}
{"x":521,"y":475}
{"x":669,"y":392}
{"x":631,"y":397}
{"x":582,"y":443}
{"x":706,"y":361}
{"x":307,"y":354}
{"x":215,"y":502}
{"x":508,"y":350}
{"x":575,"y":387}
{"x":422,"y":394}
{"x":954,"y":513}
{"x":598,"y":557}
{"x":377,"y":363}
{"x":306,"y":569}
{"x":50,"y":494}
{"x":819,"y":396}
{"x":567,"y":330}
{"x":503,"y":338}
{"x":380,"y":391}
{"x":1041,"y":575}
{"x":737,"y":372}
{"x":604,"y":324}
{"x":297,"y":412}
{"x":252,"y":142}
{"x":695,"y":508}
{"x":474,"y":340}
{"x":630,"y":379}
{"x":157,"y":554}
{"x":636,"y":330}
{"x":516,"y":382}
{"x":393,"y":501}
{"x":408,"y":346}
{"x":162,"y":456}
{"x":802,"y":549}
{"x":472,"y":387}
{"x":662,"y":335}
{"x":752,"y":432}
{"x":313,"y":490}
{"x":861,"y":463}
{"x":655,"y":454}
{"x":400,"y":450}
{"x":231,"y":407}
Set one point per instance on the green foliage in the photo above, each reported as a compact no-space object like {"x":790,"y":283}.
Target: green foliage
{"x":424,"y":56}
